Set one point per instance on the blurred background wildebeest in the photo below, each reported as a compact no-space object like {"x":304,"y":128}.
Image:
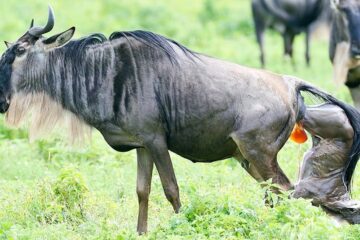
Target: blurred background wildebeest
{"x":345,"y":45}
{"x":290,"y":18}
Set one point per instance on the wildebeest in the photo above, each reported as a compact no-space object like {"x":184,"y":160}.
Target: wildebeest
{"x":289,"y":17}
{"x":345,"y":45}
{"x":322,"y":172}
{"x":143,"y":91}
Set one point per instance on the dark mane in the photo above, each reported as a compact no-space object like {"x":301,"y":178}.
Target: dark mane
{"x":80,"y":44}
{"x":150,"y":39}
{"x":153,"y":40}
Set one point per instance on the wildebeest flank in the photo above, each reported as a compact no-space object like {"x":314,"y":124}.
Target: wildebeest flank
{"x":289,"y":17}
{"x":145,"y":92}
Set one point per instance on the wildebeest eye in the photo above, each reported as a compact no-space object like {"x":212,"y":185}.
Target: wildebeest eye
{"x":20,"y":51}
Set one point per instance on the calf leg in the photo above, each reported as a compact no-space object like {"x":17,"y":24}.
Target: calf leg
{"x":157,"y":148}
{"x":144,"y":174}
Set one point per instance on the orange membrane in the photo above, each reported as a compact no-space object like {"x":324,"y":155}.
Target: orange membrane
{"x":298,"y":134}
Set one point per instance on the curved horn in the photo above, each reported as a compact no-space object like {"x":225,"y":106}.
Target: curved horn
{"x":32,"y":23}
{"x":38,"y":31}
{"x":8,"y":44}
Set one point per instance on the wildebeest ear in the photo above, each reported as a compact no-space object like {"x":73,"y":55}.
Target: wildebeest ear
{"x":8,"y":44}
{"x":59,"y":39}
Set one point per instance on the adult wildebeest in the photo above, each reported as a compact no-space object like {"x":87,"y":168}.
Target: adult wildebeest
{"x":145,"y":92}
{"x":289,"y":17}
{"x":345,"y":45}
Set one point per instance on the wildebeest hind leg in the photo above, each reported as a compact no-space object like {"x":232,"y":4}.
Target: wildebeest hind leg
{"x":250,"y":168}
{"x":288,"y":46}
{"x":157,"y":148}
{"x":263,"y":159}
{"x":259,"y":29}
{"x":143,"y":186}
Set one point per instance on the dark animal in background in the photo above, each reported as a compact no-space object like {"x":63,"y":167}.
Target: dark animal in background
{"x":289,"y":17}
{"x":145,"y":92}
{"x":345,"y":45}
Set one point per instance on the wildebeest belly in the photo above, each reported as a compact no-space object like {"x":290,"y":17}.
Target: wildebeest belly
{"x":206,"y":140}
{"x":202,"y":149}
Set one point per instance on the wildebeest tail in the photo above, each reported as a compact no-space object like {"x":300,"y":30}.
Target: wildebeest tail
{"x":354,"y":118}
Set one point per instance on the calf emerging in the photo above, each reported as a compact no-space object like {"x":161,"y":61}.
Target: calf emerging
{"x":289,"y":17}
{"x":322,"y":175}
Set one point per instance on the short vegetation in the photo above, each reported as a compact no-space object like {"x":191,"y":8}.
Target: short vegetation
{"x":49,"y":190}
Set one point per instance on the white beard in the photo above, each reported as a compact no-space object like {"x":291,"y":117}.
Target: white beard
{"x":343,"y":62}
{"x":43,"y":114}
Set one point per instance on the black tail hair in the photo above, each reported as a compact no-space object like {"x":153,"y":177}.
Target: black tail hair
{"x":354,"y":119}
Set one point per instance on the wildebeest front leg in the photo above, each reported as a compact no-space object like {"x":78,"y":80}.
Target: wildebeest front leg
{"x":160,"y":154}
{"x":144,"y":174}
{"x":288,"y":45}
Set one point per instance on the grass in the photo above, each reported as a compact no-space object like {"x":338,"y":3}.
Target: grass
{"x":49,"y":190}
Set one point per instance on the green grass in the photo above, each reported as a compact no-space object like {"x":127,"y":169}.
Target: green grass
{"x":49,"y":190}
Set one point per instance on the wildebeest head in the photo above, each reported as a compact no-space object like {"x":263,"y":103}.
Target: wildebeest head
{"x":348,"y":14}
{"x":348,"y":11}
{"x":345,"y":37}
{"x":26,"y":56}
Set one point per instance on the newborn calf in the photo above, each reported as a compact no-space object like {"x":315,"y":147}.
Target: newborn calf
{"x":321,"y":174}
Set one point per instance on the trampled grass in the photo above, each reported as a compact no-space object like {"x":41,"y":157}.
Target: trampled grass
{"x":49,"y":190}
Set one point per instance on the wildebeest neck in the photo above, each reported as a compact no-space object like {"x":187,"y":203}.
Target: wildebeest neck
{"x":87,"y":76}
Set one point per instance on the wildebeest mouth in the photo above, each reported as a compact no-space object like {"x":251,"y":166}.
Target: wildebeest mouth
{"x":321,"y":175}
